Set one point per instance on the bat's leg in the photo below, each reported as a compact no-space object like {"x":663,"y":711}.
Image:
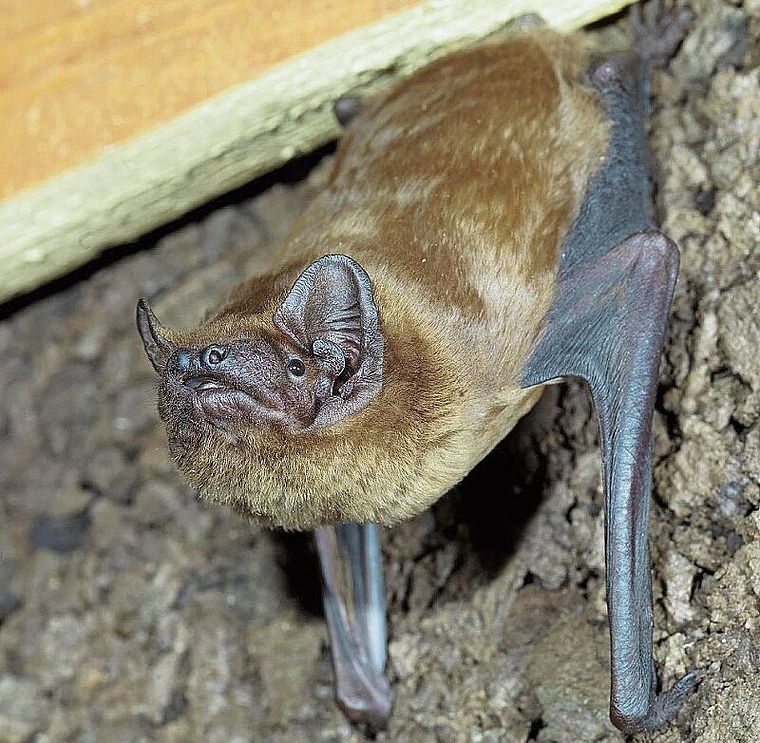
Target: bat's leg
{"x":354,"y":601}
{"x":607,"y":326}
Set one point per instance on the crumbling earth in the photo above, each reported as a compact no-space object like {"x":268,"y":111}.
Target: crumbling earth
{"x":130,"y":612}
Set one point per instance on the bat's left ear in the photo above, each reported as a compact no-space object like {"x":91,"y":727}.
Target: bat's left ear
{"x":330,"y":309}
{"x":155,"y":336}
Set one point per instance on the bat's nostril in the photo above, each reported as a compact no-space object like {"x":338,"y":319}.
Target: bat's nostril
{"x":214,"y":355}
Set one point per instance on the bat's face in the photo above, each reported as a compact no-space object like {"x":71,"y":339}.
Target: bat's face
{"x":260,"y":381}
{"x":247,"y":400}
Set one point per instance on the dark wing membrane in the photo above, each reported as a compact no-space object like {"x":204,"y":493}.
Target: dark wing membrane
{"x":607,"y":326}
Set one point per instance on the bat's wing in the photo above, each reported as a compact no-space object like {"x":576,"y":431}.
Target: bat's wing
{"x":607,"y":326}
{"x":354,"y":601}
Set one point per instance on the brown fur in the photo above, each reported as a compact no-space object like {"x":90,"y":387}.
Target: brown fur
{"x":454,"y":193}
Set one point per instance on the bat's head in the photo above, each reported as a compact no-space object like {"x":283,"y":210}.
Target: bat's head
{"x":249,"y":398}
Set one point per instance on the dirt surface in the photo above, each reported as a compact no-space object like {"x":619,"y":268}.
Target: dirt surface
{"x":130,"y":612}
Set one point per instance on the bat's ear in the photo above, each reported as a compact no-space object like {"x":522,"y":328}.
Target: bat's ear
{"x":331,"y":303}
{"x":154,"y":336}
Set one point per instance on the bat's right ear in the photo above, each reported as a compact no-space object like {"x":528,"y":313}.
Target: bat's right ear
{"x":154,"y":336}
{"x":330,"y":312}
{"x":332,"y":301}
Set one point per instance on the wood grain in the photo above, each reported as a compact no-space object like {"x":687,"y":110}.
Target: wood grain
{"x":80,"y":76}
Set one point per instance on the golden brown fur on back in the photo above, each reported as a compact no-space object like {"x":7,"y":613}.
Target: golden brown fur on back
{"x":454,"y":193}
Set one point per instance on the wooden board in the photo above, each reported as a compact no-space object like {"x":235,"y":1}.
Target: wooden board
{"x":246,"y":130}
{"x":79,"y":76}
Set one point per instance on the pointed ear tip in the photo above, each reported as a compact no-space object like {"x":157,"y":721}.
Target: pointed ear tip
{"x":147,"y":323}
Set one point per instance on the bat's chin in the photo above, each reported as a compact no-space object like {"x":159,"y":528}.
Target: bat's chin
{"x":218,"y":406}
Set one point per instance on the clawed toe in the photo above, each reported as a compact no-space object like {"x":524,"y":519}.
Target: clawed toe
{"x":664,"y":708}
{"x":658,"y":32}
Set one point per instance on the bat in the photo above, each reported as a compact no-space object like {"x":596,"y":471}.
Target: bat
{"x":486,"y":230}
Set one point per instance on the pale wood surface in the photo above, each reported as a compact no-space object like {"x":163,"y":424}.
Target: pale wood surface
{"x":81,"y":75}
{"x":236,"y":136}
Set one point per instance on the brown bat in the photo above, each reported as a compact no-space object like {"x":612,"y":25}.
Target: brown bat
{"x":486,"y":229}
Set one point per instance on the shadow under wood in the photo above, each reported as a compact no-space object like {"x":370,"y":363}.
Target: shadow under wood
{"x":500,"y":496}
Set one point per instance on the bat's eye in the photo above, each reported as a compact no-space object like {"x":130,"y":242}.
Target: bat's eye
{"x":296,"y":367}
{"x":214,"y":355}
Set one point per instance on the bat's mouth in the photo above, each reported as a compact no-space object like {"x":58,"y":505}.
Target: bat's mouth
{"x":210,"y":398}
{"x":221,"y":403}
{"x":204,"y":384}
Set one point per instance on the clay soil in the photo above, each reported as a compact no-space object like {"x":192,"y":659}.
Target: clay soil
{"x":130,"y":612}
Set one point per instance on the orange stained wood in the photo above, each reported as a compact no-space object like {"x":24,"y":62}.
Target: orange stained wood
{"x":77,"y":76}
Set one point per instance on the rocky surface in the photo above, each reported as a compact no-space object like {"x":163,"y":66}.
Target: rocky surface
{"x":130,"y":612}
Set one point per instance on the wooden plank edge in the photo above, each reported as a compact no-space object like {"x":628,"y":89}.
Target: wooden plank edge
{"x":237,"y":136}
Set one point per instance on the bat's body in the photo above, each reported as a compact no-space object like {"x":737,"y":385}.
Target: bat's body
{"x":485,"y":228}
{"x":458,"y":226}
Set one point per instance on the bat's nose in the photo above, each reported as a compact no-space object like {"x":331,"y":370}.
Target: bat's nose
{"x":195,"y":369}
{"x":186,"y":360}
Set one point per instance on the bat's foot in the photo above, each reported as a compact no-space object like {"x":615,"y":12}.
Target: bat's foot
{"x":662,"y":710}
{"x":658,"y":32}
{"x":354,"y":601}
{"x":368,"y":706}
